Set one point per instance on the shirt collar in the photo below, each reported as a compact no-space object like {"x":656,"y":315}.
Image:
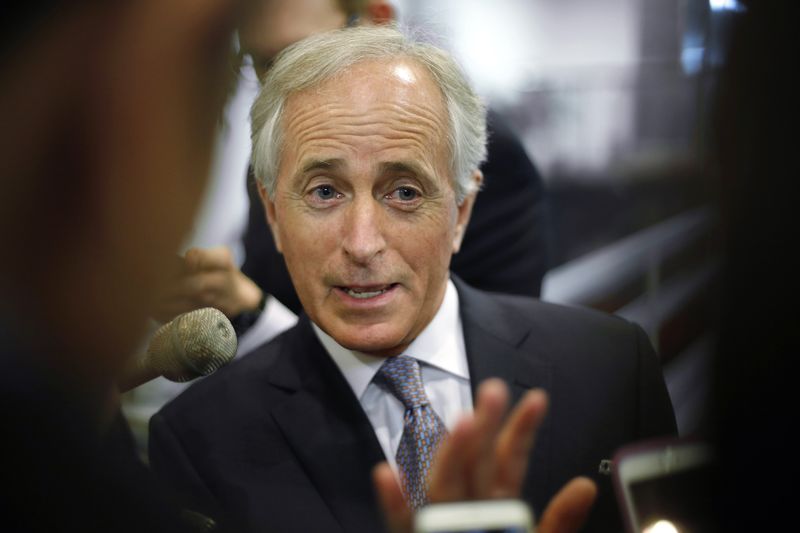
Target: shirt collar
{"x":440,"y":344}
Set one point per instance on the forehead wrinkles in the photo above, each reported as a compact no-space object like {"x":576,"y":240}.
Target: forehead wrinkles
{"x":403,"y":116}
{"x":389,"y":121}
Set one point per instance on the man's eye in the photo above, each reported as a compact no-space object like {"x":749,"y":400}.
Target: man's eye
{"x":325,"y":192}
{"x":405,"y":194}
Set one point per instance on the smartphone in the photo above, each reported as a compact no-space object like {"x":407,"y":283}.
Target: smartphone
{"x":486,"y":516}
{"x":665,"y":486}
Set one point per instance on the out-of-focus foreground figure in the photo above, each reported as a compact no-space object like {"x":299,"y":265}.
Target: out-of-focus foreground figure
{"x":109,"y":110}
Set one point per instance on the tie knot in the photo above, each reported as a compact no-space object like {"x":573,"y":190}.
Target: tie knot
{"x":403,"y":377}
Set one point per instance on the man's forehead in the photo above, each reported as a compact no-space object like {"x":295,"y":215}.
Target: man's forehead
{"x":393,"y":111}
{"x":373,"y":77}
{"x":382,"y":92}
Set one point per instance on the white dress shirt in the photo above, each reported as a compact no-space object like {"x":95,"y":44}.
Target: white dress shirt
{"x":440,"y":350}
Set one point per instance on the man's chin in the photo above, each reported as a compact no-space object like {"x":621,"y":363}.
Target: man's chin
{"x":371,"y":342}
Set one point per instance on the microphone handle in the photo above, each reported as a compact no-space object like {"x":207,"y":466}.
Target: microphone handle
{"x":137,"y":372}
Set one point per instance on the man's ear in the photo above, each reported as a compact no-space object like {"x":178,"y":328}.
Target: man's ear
{"x":465,"y":211}
{"x":380,"y":12}
{"x":269,"y":209}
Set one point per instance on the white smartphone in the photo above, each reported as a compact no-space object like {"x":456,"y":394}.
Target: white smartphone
{"x":486,"y":516}
{"x":665,"y":486}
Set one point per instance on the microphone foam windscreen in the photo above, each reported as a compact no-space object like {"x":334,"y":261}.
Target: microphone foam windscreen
{"x":194,"y":344}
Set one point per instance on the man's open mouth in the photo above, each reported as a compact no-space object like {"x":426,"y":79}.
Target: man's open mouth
{"x":363,"y":293}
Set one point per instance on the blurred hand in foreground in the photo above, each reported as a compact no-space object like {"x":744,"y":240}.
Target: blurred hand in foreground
{"x":208,"y":277}
{"x":485,"y":458}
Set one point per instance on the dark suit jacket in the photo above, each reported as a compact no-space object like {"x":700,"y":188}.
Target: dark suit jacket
{"x":504,"y":248}
{"x":279,"y":442}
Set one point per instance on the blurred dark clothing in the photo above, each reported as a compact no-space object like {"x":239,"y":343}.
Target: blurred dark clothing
{"x":59,"y":472}
{"x":504,"y":248}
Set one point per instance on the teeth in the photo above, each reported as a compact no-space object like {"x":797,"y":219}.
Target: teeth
{"x":364,"y":295}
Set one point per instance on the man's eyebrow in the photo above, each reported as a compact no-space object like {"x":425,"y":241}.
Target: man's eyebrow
{"x":320,"y":164}
{"x":404,"y":166}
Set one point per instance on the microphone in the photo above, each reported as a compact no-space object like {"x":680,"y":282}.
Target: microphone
{"x":191,"y":345}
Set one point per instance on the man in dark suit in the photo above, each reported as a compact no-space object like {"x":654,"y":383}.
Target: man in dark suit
{"x":368,"y":148}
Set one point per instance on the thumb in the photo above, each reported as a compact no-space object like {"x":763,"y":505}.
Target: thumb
{"x":569,"y":509}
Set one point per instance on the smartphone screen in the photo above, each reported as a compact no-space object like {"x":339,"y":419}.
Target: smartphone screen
{"x":667,"y":488}
{"x":682,"y":499}
{"x":494,"y":516}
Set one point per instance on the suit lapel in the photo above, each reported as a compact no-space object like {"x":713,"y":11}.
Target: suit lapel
{"x":328,"y":431}
{"x":493,"y":338}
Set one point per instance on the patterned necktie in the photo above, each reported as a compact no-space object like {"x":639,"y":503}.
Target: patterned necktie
{"x":423,"y":430}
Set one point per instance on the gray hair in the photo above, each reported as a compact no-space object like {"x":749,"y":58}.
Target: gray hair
{"x":318,"y":58}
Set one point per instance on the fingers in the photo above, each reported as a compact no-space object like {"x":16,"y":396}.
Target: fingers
{"x":486,"y":457}
{"x":515,"y":443}
{"x":200,"y":280}
{"x":481,"y":461}
{"x":464,"y":467}
{"x":448,"y":481}
{"x":569,"y":509}
{"x":483,"y":457}
{"x":205,"y":289}
{"x":399,"y":518}
{"x":216,"y":258}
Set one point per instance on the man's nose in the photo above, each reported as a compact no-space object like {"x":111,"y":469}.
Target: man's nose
{"x":363,"y":233}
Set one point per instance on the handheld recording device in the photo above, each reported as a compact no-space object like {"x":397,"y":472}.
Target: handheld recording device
{"x":488,"y":516}
{"x":665,"y":486}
